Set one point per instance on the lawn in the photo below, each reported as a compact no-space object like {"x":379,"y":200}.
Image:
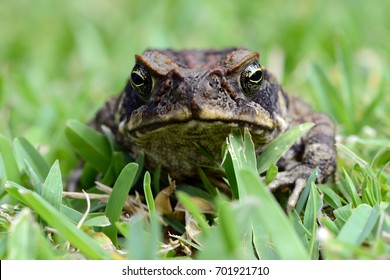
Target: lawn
{"x":61,"y":60}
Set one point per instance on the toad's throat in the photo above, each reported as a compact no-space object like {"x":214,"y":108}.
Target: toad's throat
{"x":178,"y":147}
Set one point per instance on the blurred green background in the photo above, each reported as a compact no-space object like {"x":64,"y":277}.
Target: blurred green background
{"x":62,"y":59}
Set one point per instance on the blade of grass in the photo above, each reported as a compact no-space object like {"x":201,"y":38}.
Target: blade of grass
{"x":330,"y":196}
{"x":313,"y":207}
{"x":94,"y":219}
{"x":271,"y":174}
{"x":329,"y":224}
{"x":369,"y":112}
{"x":231,"y":176}
{"x":343,"y":213}
{"x":27,"y":242}
{"x":268,"y":212}
{"x":24,"y":241}
{"x":279,"y":146}
{"x":207,"y":184}
{"x":329,"y":96}
{"x":284,"y":238}
{"x":142,"y":238}
{"x":185,"y":199}
{"x":98,"y":221}
{"x":322,"y":87}
{"x":360,"y":224}
{"x":52,"y":187}
{"x":226,"y":238}
{"x":299,"y":227}
{"x":65,"y":228}
{"x":148,"y":193}
{"x":29,"y":154}
{"x":306,"y":191}
{"x":11,"y":169}
{"x":361,"y":162}
{"x":117,"y":199}
{"x":90,"y":144}
{"x":231,"y":238}
{"x":348,"y":96}
{"x":352,"y":190}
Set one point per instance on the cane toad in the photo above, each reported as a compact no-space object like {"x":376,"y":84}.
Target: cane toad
{"x":178,"y":101}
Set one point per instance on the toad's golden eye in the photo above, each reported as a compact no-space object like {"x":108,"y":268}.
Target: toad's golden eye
{"x":141,"y":81}
{"x":251,"y":78}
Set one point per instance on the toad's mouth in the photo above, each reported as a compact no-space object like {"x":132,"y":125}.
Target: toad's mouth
{"x":254,"y":119}
{"x":197,"y":126}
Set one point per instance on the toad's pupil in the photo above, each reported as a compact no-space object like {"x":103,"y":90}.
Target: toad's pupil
{"x":137,"y":79}
{"x":256,"y":76}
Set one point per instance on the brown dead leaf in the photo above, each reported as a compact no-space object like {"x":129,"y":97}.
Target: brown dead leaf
{"x":163,"y":199}
{"x":204,"y":205}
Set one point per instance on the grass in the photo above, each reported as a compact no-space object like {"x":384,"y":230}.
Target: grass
{"x":58,"y":67}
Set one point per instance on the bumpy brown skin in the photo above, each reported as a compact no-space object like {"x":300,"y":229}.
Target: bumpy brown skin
{"x":197,"y":97}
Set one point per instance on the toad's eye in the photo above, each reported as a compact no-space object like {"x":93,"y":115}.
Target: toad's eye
{"x":251,"y":78}
{"x":141,"y":81}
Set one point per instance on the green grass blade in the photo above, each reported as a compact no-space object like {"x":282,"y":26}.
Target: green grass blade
{"x":142,"y":237}
{"x":329,"y":224}
{"x":98,"y":221}
{"x":302,"y":231}
{"x":330,"y":196}
{"x":90,"y":144}
{"x":322,"y":87}
{"x":148,"y":193}
{"x":306,"y":192}
{"x":117,"y":199}
{"x":359,"y":225}
{"x":343,"y":213}
{"x":361,"y":162}
{"x":207,"y":184}
{"x":26,"y":240}
{"x":52,"y":187}
{"x":369,"y":111}
{"x":268,"y":212}
{"x":271,"y":174}
{"x":238,"y":156}
{"x":230,"y":236}
{"x":140,"y":161}
{"x":93,"y":219}
{"x":348,"y":96}
{"x":330,"y":100}
{"x":284,"y":238}
{"x":138,"y":240}
{"x":23,"y":243}
{"x":231,"y":176}
{"x":313,"y":207}
{"x":65,"y":228}
{"x":71,"y":213}
{"x":351,"y":189}
{"x":278,"y":147}
{"x":11,"y":169}
{"x":185,"y":199}
{"x":30,"y":155}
